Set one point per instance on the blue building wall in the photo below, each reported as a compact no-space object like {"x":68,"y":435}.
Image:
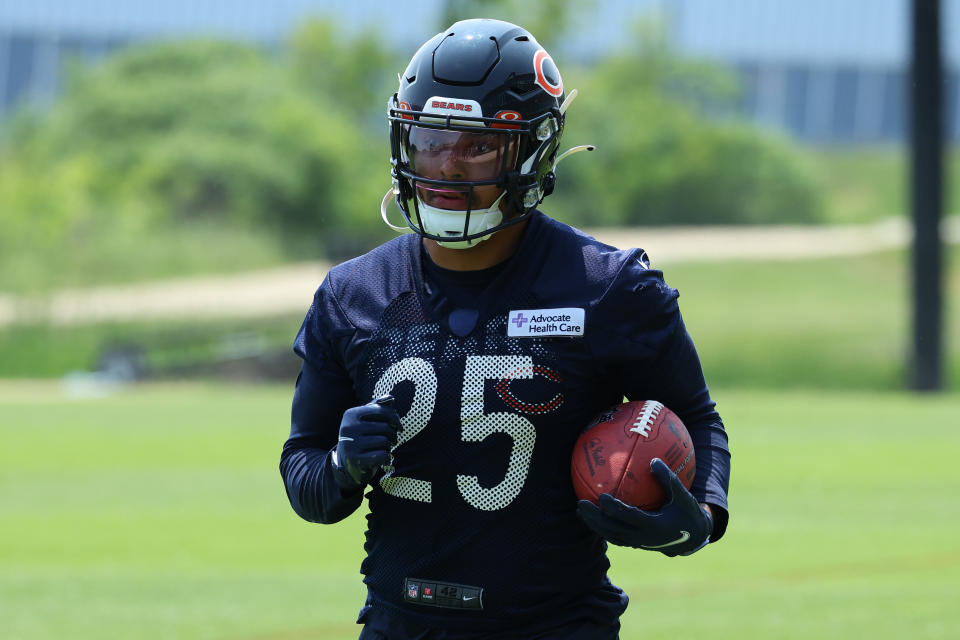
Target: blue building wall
{"x":825,"y":71}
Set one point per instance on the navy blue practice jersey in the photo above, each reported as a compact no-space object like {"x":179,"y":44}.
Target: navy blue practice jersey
{"x":473,"y":526}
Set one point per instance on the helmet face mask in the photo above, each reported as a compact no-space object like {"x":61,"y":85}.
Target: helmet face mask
{"x":474,"y":153}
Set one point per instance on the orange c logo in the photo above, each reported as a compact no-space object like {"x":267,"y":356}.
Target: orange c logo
{"x":548,"y":76}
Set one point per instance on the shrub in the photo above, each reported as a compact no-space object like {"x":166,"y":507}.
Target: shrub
{"x":660,"y":160}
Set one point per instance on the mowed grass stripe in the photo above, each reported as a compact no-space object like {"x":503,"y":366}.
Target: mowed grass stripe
{"x":835,"y":323}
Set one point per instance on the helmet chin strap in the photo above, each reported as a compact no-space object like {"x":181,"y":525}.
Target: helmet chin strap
{"x":568,"y":101}
{"x":573,"y":150}
{"x":387,"y":199}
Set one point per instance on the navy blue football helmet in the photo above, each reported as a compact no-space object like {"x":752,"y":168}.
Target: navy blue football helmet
{"x":474,"y":132}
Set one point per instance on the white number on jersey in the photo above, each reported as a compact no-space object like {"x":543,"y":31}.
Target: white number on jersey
{"x":475,"y":426}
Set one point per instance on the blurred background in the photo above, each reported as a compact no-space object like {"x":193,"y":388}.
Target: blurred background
{"x":177,"y":177}
{"x":146,"y":143}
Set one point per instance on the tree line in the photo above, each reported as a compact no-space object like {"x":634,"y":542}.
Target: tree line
{"x":292,"y":145}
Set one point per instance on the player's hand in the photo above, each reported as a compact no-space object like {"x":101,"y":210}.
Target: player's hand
{"x":680,"y":527}
{"x":366,"y":435}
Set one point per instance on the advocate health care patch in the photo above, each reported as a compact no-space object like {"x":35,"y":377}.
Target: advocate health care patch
{"x":545,"y":323}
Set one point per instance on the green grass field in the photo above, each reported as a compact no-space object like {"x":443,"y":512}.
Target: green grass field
{"x":831,"y":323}
{"x":861,"y":184}
{"x":158,"y":512}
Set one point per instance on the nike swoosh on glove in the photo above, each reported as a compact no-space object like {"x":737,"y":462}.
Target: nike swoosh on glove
{"x":680,"y":527}
{"x":367,"y":433}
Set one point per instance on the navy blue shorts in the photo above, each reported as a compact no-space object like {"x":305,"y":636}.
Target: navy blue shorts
{"x":380,"y":627}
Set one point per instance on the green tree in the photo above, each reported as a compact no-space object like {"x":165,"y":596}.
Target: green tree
{"x":661,"y":159}
{"x":171,"y":147}
{"x":206,"y":130}
{"x":190,"y":135}
{"x":548,"y":21}
{"x":355,"y":71}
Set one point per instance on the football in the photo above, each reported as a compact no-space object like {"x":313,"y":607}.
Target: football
{"x":613,"y":454}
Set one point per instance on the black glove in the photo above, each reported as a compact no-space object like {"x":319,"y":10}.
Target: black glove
{"x":680,"y":527}
{"x":366,"y":435}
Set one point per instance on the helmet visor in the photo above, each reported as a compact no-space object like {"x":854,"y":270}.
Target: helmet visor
{"x":459,"y":170}
{"x":463,"y":156}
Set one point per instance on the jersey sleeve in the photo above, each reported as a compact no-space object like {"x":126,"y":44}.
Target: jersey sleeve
{"x":654,"y":358}
{"x":323,"y":392}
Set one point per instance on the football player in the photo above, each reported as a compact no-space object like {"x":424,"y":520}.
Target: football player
{"x":447,"y":373}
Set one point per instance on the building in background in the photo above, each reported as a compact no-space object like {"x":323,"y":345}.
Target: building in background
{"x":826,"y":72}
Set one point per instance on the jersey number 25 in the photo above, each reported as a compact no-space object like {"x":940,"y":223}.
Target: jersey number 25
{"x":475,"y":426}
